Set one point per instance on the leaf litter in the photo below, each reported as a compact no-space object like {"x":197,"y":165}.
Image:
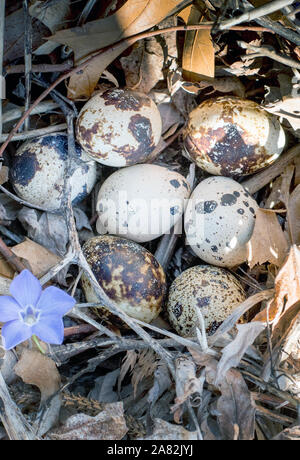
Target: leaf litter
{"x":242,"y":382}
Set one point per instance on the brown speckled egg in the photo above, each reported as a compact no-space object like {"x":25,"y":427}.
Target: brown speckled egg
{"x":212,"y":290}
{"x":119,"y":127}
{"x":219,"y":221}
{"x":130,"y":276}
{"x":38,"y":172}
{"x":230,"y":136}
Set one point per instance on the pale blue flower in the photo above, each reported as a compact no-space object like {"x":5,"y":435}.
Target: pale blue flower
{"x":31,"y":311}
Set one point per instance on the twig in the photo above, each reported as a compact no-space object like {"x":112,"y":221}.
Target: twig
{"x":263,"y":51}
{"x":13,"y":114}
{"x":19,"y":200}
{"x":27,"y":59}
{"x":10,"y":257}
{"x":2,"y":27}
{"x":119,"y":45}
{"x":264,"y":177}
{"x":256,"y":13}
{"x":33,"y":133}
{"x":40,"y":68}
{"x":276,"y":27}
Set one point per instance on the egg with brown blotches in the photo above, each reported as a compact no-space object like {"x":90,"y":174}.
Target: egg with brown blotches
{"x":214,"y":291}
{"x":141,"y":202}
{"x":38,"y":172}
{"x":231,"y":136}
{"x":119,"y":127}
{"x":129,"y":275}
{"x":219,"y":221}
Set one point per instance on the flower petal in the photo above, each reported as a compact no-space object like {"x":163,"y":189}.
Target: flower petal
{"x":9,"y":309}
{"x":15,"y":332}
{"x":50,"y":329}
{"x":54,"y":301}
{"x":26,"y":288}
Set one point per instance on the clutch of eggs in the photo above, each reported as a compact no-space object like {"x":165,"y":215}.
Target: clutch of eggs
{"x":230,"y":136}
{"x":38,"y":172}
{"x":129,"y":275}
{"x":141,"y":202}
{"x":212,"y":290}
{"x":119,"y":127}
{"x":219,"y":221}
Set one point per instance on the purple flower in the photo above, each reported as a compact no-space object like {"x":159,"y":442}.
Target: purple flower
{"x":31,"y":311}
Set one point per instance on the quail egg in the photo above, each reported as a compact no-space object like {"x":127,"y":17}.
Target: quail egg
{"x":230,"y":136}
{"x":119,"y":127}
{"x":212,"y":290}
{"x":141,"y":202}
{"x":219,"y":221}
{"x":130,"y":276}
{"x":38,"y":171}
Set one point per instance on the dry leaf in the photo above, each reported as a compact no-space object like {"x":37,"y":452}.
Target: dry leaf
{"x":109,"y":424}
{"x":187,"y":385}
{"x":268,"y":243}
{"x":166,"y":431}
{"x":233,"y":353}
{"x":287,"y":288}
{"x":133,"y":17}
{"x":289,"y":109}
{"x":3,"y":175}
{"x":37,"y":369}
{"x":236,"y":413}
{"x":198,"y":58}
{"x":293,"y":215}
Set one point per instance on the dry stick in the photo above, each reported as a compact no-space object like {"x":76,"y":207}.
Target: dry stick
{"x":2,"y":23}
{"x":262,"y":51}
{"x":40,"y":68}
{"x":129,"y":41}
{"x":276,"y":27}
{"x":32,"y":133}
{"x":256,"y":13}
{"x":43,"y":107}
{"x":19,"y":200}
{"x":27,"y":59}
{"x":261,"y":179}
{"x":10,"y":257}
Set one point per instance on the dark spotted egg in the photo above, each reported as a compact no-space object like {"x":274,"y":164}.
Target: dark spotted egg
{"x":230,"y":136}
{"x":130,"y":276}
{"x":119,"y":127}
{"x":39,"y":167}
{"x":219,"y":221}
{"x":141,"y":202}
{"x":213,"y":291}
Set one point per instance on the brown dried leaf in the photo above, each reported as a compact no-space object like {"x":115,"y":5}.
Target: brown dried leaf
{"x":198,"y":58}
{"x":37,"y":369}
{"x":167,"y":431}
{"x":133,"y":17}
{"x":287,"y":288}
{"x":145,"y":367}
{"x":236,"y":413}
{"x":234,"y":352}
{"x":109,"y":424}
{"x":293,"y":215}
{"x":268,"y":243}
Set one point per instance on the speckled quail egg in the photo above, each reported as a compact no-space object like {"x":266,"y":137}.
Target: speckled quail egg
{"x":230,"y":136}
{"x":219,"y":221}
{"x":119,"y":127}
{"x":141,"y":202}
{"x":212,"y":290}
{"x":38,"y":171}
{"x":130,"y":276}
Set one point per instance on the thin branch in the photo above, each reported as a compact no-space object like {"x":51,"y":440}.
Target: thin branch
{"x":10,"y":257}
{"x":40,"y":68}
{"x":2,"y":28}
{"x":256,"y":13}
{"x":27,"y":59}
{"x":32,"y":133}
{"x":263,"y":51}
